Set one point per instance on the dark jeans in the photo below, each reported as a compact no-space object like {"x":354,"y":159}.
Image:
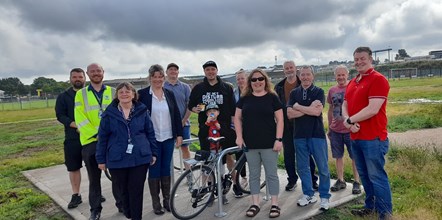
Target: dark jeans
{"x":290,"y":158}
{"x":94,"y":175}
{"x":370,"y":161}
{"x":131,"y":182}
{"x":164,"y":157}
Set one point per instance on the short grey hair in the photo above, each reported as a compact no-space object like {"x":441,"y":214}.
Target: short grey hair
{"x":341,"y":67}
{"x":289,"y":61}
{"x":308,"y":67}
{"x":156,"y":68}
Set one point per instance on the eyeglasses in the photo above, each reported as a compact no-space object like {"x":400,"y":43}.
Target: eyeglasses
{"x":257,"y":79}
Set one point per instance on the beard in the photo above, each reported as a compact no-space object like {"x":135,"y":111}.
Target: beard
{"x":78,"y":84}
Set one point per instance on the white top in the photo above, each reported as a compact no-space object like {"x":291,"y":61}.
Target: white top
{"x":162,"y":123}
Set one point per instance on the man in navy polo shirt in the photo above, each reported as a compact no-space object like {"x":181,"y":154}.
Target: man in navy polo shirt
{"x":305,"y":107}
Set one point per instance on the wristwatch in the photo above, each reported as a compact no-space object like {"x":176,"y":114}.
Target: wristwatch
{"x":279,"y":139}
{"x":349,"y":121}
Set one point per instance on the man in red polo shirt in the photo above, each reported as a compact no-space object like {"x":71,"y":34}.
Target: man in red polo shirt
{"x":364,"y":108}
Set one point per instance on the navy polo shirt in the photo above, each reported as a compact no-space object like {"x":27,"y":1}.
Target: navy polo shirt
{"x":307,"y":126}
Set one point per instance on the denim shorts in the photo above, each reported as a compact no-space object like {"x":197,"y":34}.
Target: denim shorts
{"x":337,"y":141}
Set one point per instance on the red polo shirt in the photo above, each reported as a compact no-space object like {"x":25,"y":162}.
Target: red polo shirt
{"x":371,"y":85}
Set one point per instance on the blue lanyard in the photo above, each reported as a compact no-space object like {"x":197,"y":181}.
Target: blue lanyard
{"x":127,"y":121}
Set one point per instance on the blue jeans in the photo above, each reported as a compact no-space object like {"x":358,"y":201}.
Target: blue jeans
{"x":370,"y":160}
{"x":318,"y":148}
{"x":186,"y":134}
{"x":164,"y":158}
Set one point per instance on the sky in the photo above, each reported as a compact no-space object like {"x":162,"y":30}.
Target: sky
{"x":50,"y":37}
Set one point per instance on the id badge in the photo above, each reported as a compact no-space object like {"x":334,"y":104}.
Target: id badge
{"x":129,"y":148}
{"x":100,"y":113}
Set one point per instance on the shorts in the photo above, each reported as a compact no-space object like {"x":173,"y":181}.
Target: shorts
{"x":337,"y":141}
{"x":186,"y":135}
{"x":72,"y":155}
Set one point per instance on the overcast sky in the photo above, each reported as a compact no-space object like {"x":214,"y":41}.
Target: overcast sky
{"x":50,"y":37}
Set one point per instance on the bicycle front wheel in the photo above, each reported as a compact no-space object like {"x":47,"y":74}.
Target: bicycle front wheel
{"x":192,"y":192}
{"x":242,"y":182}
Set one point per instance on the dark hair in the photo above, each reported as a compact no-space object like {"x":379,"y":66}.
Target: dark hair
{"x":363,"y":49}
{"x":268,"y":87}
{"x":128,"y":86}
{"x":77,"y":70}
{"x":156,"y":68}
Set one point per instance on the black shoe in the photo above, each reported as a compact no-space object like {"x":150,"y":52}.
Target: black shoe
{"x":356,"y":188}
{"x":237,"y":192}
{"x":95,"y":215}
{"x":120,"y":209}
{"x":362,"y":212}
{"x":103,"y":199}
{"x":339,"y":184}
{"x":290,"y":186}
{"x":315,"y":186}
{"x":75,"y":201}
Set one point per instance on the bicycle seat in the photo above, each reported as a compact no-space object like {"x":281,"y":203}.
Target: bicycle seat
{"x":215,"y":139}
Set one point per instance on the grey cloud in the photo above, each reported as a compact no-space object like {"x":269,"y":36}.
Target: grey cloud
{"x":187,"y":25}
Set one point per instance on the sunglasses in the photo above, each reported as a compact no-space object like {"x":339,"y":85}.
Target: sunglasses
{"x":257,"y":79}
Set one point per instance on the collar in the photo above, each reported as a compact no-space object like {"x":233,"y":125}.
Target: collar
{"x":359,"y":77}
{"x":90,"y":88}
{"x":176,"y":84}
{"x":153,"y":94}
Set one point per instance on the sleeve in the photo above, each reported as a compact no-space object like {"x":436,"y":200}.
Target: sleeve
{"x":329,"y":99}
{"x":176,"y":116}
{"x":61,"y":111}
{"x":276,"y":103}
{"x":187,"y":93}
{"x":193,"y":98}
{"x":320,"y":96}
{"x":232,"y":102}
{"x":103,"y":140}
{"x":83,"y":123}
{"x":240,"y":103}
{"x":381,"y":90}
{"x":150,"y":134}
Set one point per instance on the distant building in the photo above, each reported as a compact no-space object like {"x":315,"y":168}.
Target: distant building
{"x":2,"y":94}
{"x":436,"y":53}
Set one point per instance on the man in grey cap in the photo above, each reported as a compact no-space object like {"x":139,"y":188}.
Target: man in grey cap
{"x":181,"y":91}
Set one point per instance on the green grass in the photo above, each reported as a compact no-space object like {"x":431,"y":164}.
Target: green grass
{"x":26,"y":146}
{"x":414,"y":173}
{"x":25,"y":104}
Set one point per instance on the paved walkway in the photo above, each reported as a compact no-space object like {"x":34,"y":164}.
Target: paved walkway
{"x":54,"y":181}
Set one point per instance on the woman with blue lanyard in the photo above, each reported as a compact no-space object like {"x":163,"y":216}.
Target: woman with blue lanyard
{"x":127,"y":146}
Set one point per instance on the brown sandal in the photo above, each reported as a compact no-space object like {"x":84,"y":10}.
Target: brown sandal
{"x":275,"y":211}
{"x":252,"y":211}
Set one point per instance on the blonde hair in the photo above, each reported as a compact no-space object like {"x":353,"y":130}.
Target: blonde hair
{"x":268,"y":84}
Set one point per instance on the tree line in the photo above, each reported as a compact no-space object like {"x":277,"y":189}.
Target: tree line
{"x":12,"y":86}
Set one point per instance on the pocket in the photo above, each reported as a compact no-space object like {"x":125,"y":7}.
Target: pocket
{"x":116,"y":152}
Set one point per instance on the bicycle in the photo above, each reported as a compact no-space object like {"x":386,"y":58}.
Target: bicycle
{"x":198,"y":187}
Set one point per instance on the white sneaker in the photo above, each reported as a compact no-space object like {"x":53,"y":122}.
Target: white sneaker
{"x":305,"y":200}
{"x":324,"y":205}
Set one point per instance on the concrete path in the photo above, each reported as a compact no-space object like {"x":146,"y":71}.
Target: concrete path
{"x":54,"y":181}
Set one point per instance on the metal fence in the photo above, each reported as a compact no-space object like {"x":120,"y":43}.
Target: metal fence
{"x":11,"y":104}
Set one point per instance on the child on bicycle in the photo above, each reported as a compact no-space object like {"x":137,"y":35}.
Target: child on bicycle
{"x":212,"y":112}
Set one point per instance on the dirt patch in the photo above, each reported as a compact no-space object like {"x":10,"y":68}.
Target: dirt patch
{"x":426,"y":138}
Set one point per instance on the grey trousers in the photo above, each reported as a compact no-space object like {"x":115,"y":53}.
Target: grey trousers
{"x":269,"y":158}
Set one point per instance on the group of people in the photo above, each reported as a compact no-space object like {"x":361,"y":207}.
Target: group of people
{"x":133,"y":133}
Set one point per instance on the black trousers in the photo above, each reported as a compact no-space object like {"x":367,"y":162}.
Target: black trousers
{"x":131,"y":183}
{"x":290,"y":157}
{"x":94,"y":175}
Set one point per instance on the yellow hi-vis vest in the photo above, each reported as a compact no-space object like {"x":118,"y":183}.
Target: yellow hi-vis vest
{"x":88,"y":112}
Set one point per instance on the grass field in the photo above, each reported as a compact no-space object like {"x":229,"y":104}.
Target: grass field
{"x":414,"y":173}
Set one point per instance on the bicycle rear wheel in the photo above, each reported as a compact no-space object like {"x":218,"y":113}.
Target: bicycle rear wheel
{"x":239,"y":181}
{"x":192,"y":192}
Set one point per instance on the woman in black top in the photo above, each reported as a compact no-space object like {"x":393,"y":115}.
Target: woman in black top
{"x":259,"y":125}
